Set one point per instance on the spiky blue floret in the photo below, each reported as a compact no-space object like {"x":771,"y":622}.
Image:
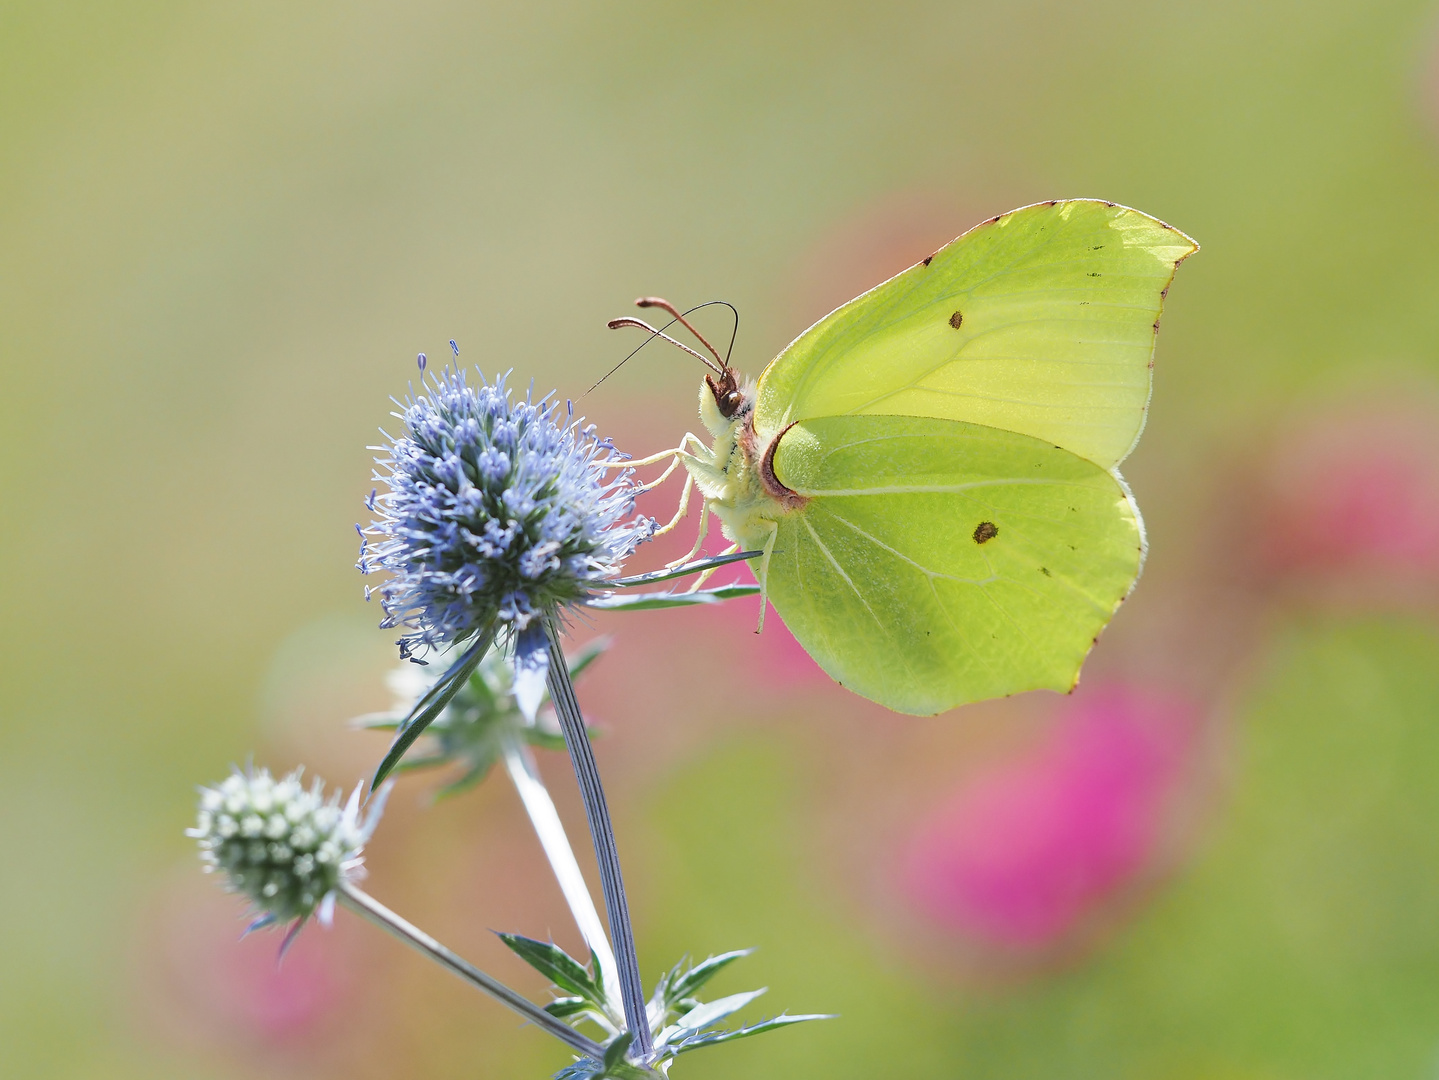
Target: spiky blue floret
{"x":497,"y":508}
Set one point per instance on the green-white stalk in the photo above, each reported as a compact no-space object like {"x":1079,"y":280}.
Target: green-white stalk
{"x":520,"y":764}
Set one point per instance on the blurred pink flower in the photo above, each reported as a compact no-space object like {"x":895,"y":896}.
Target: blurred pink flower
{"x":281,"y":1001}
{"x":215,"y":988}
{"x":1355,"y":490}
{"x":773,"y":658}
{"x":1021,"y":852}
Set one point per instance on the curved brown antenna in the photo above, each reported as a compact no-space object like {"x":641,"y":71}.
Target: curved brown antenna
{"x":615,"y":324}
{"x":665,"y":305}
{"x":734,"y":326}
{"x":618,"y":324}
{"x":653,"y":332}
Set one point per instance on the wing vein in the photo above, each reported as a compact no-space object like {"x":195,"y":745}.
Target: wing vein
{"x":879,"y":625}
{"x":935,"y":489}
{"x":926,"y":571}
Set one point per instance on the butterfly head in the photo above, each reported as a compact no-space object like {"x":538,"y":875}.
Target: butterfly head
{"x":724,"y":402}
{"x":729,"y":397}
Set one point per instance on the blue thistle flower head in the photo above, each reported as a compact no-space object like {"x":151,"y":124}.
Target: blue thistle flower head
{"x":497,"y":508}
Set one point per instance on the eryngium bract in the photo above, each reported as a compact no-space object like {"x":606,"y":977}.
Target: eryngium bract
{"x":283,"y":845}
{"x":496,"y":508}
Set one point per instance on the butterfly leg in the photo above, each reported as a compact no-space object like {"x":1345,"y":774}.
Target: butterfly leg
{"x":679,"y":455}
{"x":683,"y":509}
{"x":690,"y":440}
{"x":702,"y":472}
{"x":704,"y":468}
{"x":639,"y":463}
{"x":699,"y":540}
{"x":657,"y":481}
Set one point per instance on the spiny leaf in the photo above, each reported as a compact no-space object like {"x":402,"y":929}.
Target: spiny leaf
{"x":714,"y":1038}
{"x":555,"y":964}
{"x":688,"y":984}
{"x":599,"y":973}
{"x":656,"y":600}
{"x":702,"y":1016}
{"x":433,"y":702}
{"x":584,"y":1069}
{"x":590,"y":1069}
{"x":568,"y":1006}
{"x":699,"y":566}
{"x":547,"y":740}
{"x":480,"y":687}
{"x":616,"y":1050}
{"x":586,"y":655}
{"x":472,"y":776}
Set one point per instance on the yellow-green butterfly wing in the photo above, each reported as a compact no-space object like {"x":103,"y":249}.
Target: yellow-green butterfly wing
{"x":955,"y":431}
{"x":938,"y":562}
{"x":1041,"y":321}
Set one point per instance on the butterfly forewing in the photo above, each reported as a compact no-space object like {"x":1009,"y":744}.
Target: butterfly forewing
{"x":1042,"y":321}
{"x":938,"y":562}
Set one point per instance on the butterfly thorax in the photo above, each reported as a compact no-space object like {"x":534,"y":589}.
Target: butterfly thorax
{"x":740,"y":487}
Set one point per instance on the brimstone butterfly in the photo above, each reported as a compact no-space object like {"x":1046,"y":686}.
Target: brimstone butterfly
{"x":931,"y":469}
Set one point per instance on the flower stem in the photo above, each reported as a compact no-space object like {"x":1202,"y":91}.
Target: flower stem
{"x":370,"y":909}
{"x":520,"y":764}
{"x":572,"y":724}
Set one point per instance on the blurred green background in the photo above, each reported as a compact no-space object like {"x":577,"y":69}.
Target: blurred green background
{"x":225,"y":231}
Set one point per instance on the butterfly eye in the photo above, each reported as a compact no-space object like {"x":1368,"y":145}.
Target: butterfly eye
{"x":728,"y":397}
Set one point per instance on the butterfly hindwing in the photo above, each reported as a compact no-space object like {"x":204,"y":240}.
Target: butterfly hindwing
{"x":1041,"y":321}
{"x":938,"y":562}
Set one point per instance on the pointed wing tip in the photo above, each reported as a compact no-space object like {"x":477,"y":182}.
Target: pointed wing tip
{"x":1064,"y":207}
{"x":1193,"y":243}
{"x":1122,"y":210}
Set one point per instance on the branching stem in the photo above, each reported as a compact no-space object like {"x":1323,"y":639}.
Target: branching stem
{"x":370,"y":909}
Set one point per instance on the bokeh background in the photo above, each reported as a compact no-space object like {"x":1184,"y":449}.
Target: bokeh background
{"x":225,"y":232}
